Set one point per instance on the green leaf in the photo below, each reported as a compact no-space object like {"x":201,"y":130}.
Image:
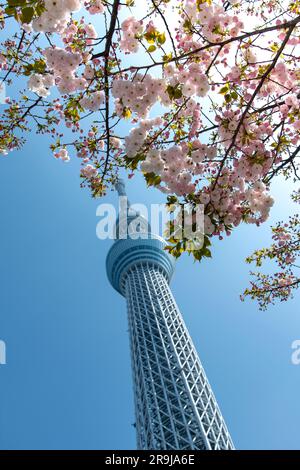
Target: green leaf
{"x":177,"y":93}
{"x":206,"y":253}
{"x":39,"y":9}
{"x":174,"y":92}
{"x":172,"y":200}
{"x":10,"y":10}
{"x":38,"y":66}
{"x":150,"y":37}
{"x":151,"y":48}
{"x":161,"y":38}
{"x":167,"y":57}
{"x":27,"y":14}
{"x":16,"y":3}
{"x":224,"y":89}
{"x":152,"y":179}
{"x":132,"y":163}
{"x":187,"y":25}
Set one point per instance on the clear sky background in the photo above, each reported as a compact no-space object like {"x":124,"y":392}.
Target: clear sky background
{"x":67,"y":383}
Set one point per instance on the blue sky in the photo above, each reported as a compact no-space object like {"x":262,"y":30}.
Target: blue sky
{"x":67,"y":382}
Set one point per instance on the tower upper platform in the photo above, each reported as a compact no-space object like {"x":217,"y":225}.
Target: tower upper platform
{"x":142,"y":247}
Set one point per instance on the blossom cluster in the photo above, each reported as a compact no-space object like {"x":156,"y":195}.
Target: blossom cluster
{"x":64,"y":65}
{"x":140,"y":94}
{"x":89,"y":171}
{"x":77,"y":34}
{"x":135,"y":140}
{"x":56,"y":16}
{"x":131,"y":28}
{"x":216,"y":24}
{"x":95,"y":6}
{"x":93,"y":101}
{"x":63,"y":155}
{"x":171,"y":165}
{"x":191,"y":78}
{"x":41,"y":84}
{"x":284,"y":251}
{"x":238,"y":193}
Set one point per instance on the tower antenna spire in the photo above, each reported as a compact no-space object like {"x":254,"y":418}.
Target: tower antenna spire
{"x":120,"y":187}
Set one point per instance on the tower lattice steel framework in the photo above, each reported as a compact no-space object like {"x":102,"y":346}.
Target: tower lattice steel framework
{"x":174,"y":404}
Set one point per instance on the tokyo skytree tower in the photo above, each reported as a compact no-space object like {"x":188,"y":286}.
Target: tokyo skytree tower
{"x":175,"y":407}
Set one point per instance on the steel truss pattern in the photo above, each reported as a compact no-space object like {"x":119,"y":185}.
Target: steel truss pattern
{"x":175,"y":406}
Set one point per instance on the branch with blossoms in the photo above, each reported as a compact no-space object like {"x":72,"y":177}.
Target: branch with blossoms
{"x":201,"y":96}
{"x":285,"y":252}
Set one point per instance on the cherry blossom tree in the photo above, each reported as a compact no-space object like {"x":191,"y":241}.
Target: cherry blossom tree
{"x":207,"y":90}
{"x":284,"y":251}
